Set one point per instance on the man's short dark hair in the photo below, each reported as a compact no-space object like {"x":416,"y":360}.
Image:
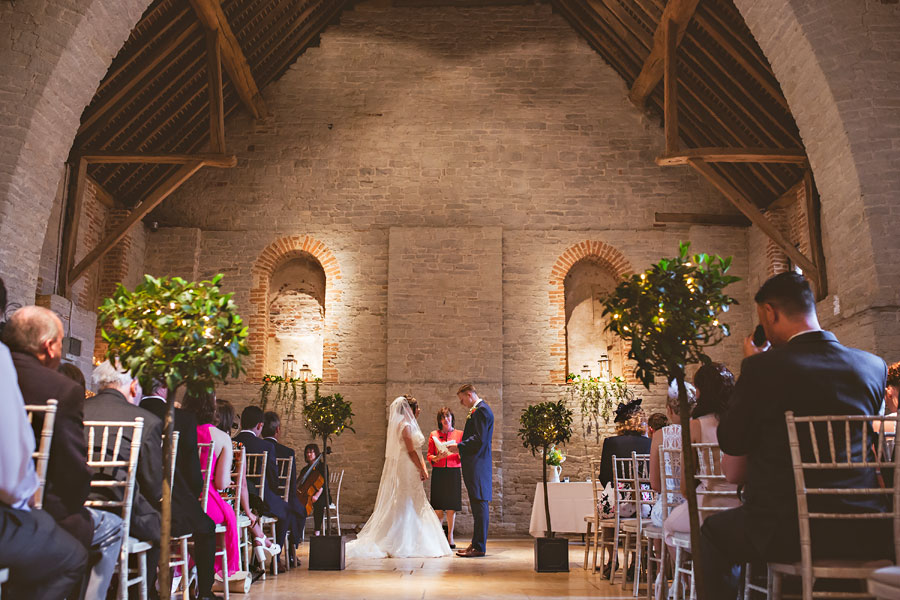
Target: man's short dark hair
{"x":271,"y":422}
{"x":251,"y":417}
{"x":657,"y":421}
{"x":788,"y":291}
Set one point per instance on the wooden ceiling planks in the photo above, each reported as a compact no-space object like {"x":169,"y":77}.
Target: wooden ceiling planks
{"x":155,"y":95}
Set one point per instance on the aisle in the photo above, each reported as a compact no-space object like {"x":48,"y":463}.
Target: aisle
{"x":507,"y":572}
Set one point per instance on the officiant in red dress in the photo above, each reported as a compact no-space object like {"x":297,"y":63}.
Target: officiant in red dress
{"x":446,"y":474}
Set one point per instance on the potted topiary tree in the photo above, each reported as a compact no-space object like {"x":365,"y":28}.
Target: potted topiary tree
{"x":182,"y":333}
{"x":669,"y":314}
{"x":326,"y":417}
{"x":544,"y":426}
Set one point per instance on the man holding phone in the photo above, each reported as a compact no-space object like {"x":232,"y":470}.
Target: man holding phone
{"x":799,"y":367}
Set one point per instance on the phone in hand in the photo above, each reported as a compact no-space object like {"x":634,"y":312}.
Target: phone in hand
{"x":759,"y":336}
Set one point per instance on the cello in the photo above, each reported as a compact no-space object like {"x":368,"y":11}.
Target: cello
{"x":310,"y":485}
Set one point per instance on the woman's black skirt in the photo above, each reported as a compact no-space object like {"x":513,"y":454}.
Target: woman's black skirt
{"x":446,"y":488}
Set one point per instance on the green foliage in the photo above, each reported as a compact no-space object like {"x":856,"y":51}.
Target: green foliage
{"x":175,"y":331}
{"x":285,"y":400}
{"x":597,"y":397}
{"x":671,"y":312}
{"x":544,"y":425}
{"x":327,"y":416}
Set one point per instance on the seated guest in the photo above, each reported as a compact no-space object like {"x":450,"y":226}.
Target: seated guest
{"x":202,"y":408}
{"x":187,"y":513}
{"x":669,"y":438}
{"x":310,"y":454}
{"x":655,"y":422}
{"x":45,"y":562}
{"x":254,"y":445}
{"x":271,"y":431}
{"x":891,"y":398}
{"x":34,"y":335}
{"x":714,"y":383}
{"x":805,"y":370}
{"x":631,"y":436}
{"x":118,"y":394}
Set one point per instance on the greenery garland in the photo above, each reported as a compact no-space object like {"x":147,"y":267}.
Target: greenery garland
{"x":285,"y":400}
{"x":597,"y":397}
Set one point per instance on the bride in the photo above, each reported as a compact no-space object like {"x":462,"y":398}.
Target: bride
{"x":403,"y":523}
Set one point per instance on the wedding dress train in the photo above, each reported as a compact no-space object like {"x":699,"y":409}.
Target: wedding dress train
{"x":403,"y":523}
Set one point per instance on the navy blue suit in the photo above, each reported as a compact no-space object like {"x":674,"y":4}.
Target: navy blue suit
{"x":477,"y":466}
{"x":277,"y":506}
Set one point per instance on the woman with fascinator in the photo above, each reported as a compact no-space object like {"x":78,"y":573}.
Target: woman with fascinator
{"x":631,"y":436}
{"x":403,"y":524}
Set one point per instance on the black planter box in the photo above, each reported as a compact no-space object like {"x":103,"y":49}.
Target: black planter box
{"x":551,"y":555}
{"x":326,"y":553}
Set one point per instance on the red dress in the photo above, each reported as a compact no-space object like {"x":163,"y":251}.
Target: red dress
{"x":446,"y":474}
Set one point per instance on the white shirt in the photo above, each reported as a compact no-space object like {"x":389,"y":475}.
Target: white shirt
{"x":250,"y":431}
{"x":18,"y":480}
{"x":803,"y":332}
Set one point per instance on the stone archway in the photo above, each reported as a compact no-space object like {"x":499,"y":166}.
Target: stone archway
{"x":61,"y":54}
{"x":603,"y":253}
{"x":275,"y":254}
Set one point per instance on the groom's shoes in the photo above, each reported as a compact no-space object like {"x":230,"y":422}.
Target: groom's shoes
{"x":470,"y":552}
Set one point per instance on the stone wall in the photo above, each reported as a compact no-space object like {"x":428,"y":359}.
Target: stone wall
{"x":449,"y":162}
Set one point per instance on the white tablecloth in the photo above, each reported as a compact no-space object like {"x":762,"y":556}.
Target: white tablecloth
{"x":569,"y":503}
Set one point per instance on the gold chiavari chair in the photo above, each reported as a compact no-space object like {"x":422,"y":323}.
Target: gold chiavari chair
{"x":103,"y":457}
{"x":41,"y":455}
{"x":838,"y":444}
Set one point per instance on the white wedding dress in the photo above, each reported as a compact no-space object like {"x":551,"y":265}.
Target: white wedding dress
{"x":403,"y":523}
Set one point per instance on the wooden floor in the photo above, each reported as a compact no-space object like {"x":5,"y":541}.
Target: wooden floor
{"x":506,"y":572}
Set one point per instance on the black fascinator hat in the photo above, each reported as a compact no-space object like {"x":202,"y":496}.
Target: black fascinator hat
{"x":627,"y":410}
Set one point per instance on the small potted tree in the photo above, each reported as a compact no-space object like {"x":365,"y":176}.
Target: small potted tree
{"x":326,"y":417}
{"x":184,"y":334}
{"x":669,"y":314}
{"x":544,"y":426}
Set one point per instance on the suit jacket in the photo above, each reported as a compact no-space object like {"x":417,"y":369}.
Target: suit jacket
{"x":812,"y":374}
{"x":282,"y":451}
{"x":621,"y":446}
{"x":111,"y":405}
{"x":68,"y":476}
{"x":187,"y":512}
{"x":255,"y":445}
{"x":475,"y":453}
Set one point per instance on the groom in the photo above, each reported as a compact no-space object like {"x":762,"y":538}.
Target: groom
{"x":475,"y":452}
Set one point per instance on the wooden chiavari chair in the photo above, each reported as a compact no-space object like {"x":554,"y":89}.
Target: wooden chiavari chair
{"x":623,"y":489}
{"x":285,"y":467}
{"x":256,"y":473}
{"x":642,"y":496}
{"x":337,"y":478}
{"x":102,"y":456}
{"x":41,"y":455}
{"x":595,"y":522}
{"x":178,"y":558}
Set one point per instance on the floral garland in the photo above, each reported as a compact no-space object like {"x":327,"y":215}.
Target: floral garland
{"x":285,"y":400}
{"x":597,"y":398}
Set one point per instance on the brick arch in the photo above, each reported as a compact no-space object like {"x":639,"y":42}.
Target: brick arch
{"x":275,"y":255}
{"x":603,"y":253}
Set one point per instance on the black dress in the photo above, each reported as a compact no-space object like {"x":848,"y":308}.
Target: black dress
{"x":318,"y":505}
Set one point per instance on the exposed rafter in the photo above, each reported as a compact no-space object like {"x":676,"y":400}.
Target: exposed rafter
{"x":735,"y":155}
{"x":679,"y":12}
{"x":213,"y":19}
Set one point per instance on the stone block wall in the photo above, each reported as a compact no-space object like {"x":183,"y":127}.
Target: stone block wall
{"x":447,"y":160}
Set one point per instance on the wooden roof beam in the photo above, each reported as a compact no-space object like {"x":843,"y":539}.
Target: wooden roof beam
{"x":756,"y":216}
{"x":213,"y":19}
{"x":140,"y":211}
{"x":209,"y":160}
{"x":664,"y":218}
{"x":794,"y":156}
{"x":680,"y":12}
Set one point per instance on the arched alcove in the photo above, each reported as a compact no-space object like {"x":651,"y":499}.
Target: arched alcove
{"x":296,"y":314}
{"x":297,"y":274}
{"x":587,"y":344}
{"x":598,"y":260}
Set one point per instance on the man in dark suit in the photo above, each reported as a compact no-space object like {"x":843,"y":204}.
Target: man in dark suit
{"x":251,"y":427}
{"x":187,"y":513}
{"x":116,"y":400}
{"x":271,"y":432}
{"x":477,"y":466}
{"x":35,"y":336}
{"x":805,"y":370}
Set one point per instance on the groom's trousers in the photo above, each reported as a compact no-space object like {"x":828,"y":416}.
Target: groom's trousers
{"x":481,"y":513}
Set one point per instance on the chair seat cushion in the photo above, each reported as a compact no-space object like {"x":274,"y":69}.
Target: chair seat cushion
{"x":681,"y":539}
{"x":885,"y":583}
{"x":243,"y":521}
{"x":136,"y":546}
{"x":652,"y":531}
{"x":267,"y":520}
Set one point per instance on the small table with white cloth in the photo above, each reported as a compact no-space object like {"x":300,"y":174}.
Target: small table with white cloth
{"x":569,"y":503}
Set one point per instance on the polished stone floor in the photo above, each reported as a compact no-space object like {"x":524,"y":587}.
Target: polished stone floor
{"x":506,"y":572}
